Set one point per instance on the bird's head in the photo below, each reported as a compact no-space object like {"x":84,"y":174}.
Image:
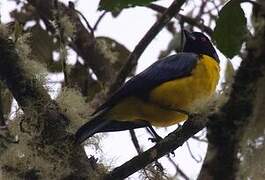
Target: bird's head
{"x":197,"y":42}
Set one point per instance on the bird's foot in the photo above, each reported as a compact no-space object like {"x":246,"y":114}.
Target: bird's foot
{"x":155,"y":139}
{"x":172,"y":153}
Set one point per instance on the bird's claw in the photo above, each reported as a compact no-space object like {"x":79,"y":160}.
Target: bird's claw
{"x":155,"y":139}
{"x":173,"y":153}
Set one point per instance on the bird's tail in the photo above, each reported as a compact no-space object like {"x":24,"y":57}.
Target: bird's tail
{"x":99,"y":123}
{"x":90,"y":128}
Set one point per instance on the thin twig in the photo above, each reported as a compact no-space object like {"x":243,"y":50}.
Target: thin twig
{"x":178,"y":170}
{"x":199,"y":139}
{"x":184,"y":18}
{"x":138,"y":149}
{"x":191,"y":153}
{"x":145,"y":41}
{"x":201,"y":11}
{"x":215,"y":8}
{"x":86,"y":21}
{"x":99,"y":19}
{"x":135,"y":141}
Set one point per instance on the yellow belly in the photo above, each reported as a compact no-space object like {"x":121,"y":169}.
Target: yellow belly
{"x":186,"y":92}
{"x":183,"y":93}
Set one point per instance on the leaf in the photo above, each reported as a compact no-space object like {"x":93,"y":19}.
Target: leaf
{"x":230,"y":29}
{"x":118,"y":5}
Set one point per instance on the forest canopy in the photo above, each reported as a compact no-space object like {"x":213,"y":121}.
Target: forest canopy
{"x":52,"y":38}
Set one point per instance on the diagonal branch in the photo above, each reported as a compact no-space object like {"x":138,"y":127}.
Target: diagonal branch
{"x":145,"y":41}
{"x":135,"y":141}
{"x":183,"y":18}
{"x":165,"y":146}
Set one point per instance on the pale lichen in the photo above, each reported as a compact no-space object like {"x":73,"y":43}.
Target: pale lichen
{"x":32,"y":67}
{"x":105,"y":50}
{"x":67,"y":27}
{"x":27,"y":155}
{"x":74,"y":107}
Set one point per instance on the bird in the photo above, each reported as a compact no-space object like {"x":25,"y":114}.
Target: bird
{"x":162,"y":95}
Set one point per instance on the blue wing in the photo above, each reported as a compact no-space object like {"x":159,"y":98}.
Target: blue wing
{"x":166,"y":69}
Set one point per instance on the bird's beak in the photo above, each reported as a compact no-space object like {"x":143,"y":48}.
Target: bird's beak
{"x":188,"y":35}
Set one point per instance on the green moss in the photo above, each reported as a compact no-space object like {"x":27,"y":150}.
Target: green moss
{"x":73,"y":105}
{"x":33,"y":68}
{"x":4,"y":32}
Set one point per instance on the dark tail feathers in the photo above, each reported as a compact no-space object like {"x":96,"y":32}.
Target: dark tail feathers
{"x":89,"y":129}
{"x":100,"y":124}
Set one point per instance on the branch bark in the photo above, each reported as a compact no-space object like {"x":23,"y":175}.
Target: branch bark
{"x":165,"y":146}
{"x":83,"y":44}
{"x":227,"y":128}
{"x":49,"y":123}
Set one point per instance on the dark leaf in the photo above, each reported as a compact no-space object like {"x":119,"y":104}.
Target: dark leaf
{"x":230,"y":30}
{"x":118,"y":5}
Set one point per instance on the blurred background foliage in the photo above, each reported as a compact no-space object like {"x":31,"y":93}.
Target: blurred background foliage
{"x":55,"y":28}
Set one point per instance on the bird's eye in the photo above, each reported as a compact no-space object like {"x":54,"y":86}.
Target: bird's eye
{"x":203,"y":39}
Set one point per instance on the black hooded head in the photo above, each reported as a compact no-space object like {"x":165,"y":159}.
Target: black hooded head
{"x":197,"y":42}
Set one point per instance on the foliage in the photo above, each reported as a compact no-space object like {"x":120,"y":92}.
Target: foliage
{"x":42,"y":30}
{"x":230,"y":30}
{"x":118,"y":5}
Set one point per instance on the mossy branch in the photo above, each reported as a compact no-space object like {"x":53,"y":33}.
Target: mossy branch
{"x":227,"y":128}
{"x":24,"y":89}
{"x":165,"y":146}
{"x":83,"y":43}
{"x":32,"y":97}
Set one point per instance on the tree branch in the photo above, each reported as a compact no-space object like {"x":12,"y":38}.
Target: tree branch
{"x":178,"y":170}
{"x":165,"y":146}
{"x":226,"y":130}
{"x":99,"y":20}
{"x":83,"y":44}
{"x":49,"y":123}
{"x":183,"y":18}
{"x":145,"y":41}
{"x":135,"y":141}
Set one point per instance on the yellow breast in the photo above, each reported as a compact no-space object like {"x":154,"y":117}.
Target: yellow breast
{"x":185,"y":92}
{"x":182,"y":93}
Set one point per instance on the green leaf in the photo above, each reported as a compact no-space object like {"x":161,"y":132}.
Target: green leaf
{"x":230,"y":30}
{"x":118,"y":5}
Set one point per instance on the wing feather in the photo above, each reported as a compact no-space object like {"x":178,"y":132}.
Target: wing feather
{"x":166,"y":69}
